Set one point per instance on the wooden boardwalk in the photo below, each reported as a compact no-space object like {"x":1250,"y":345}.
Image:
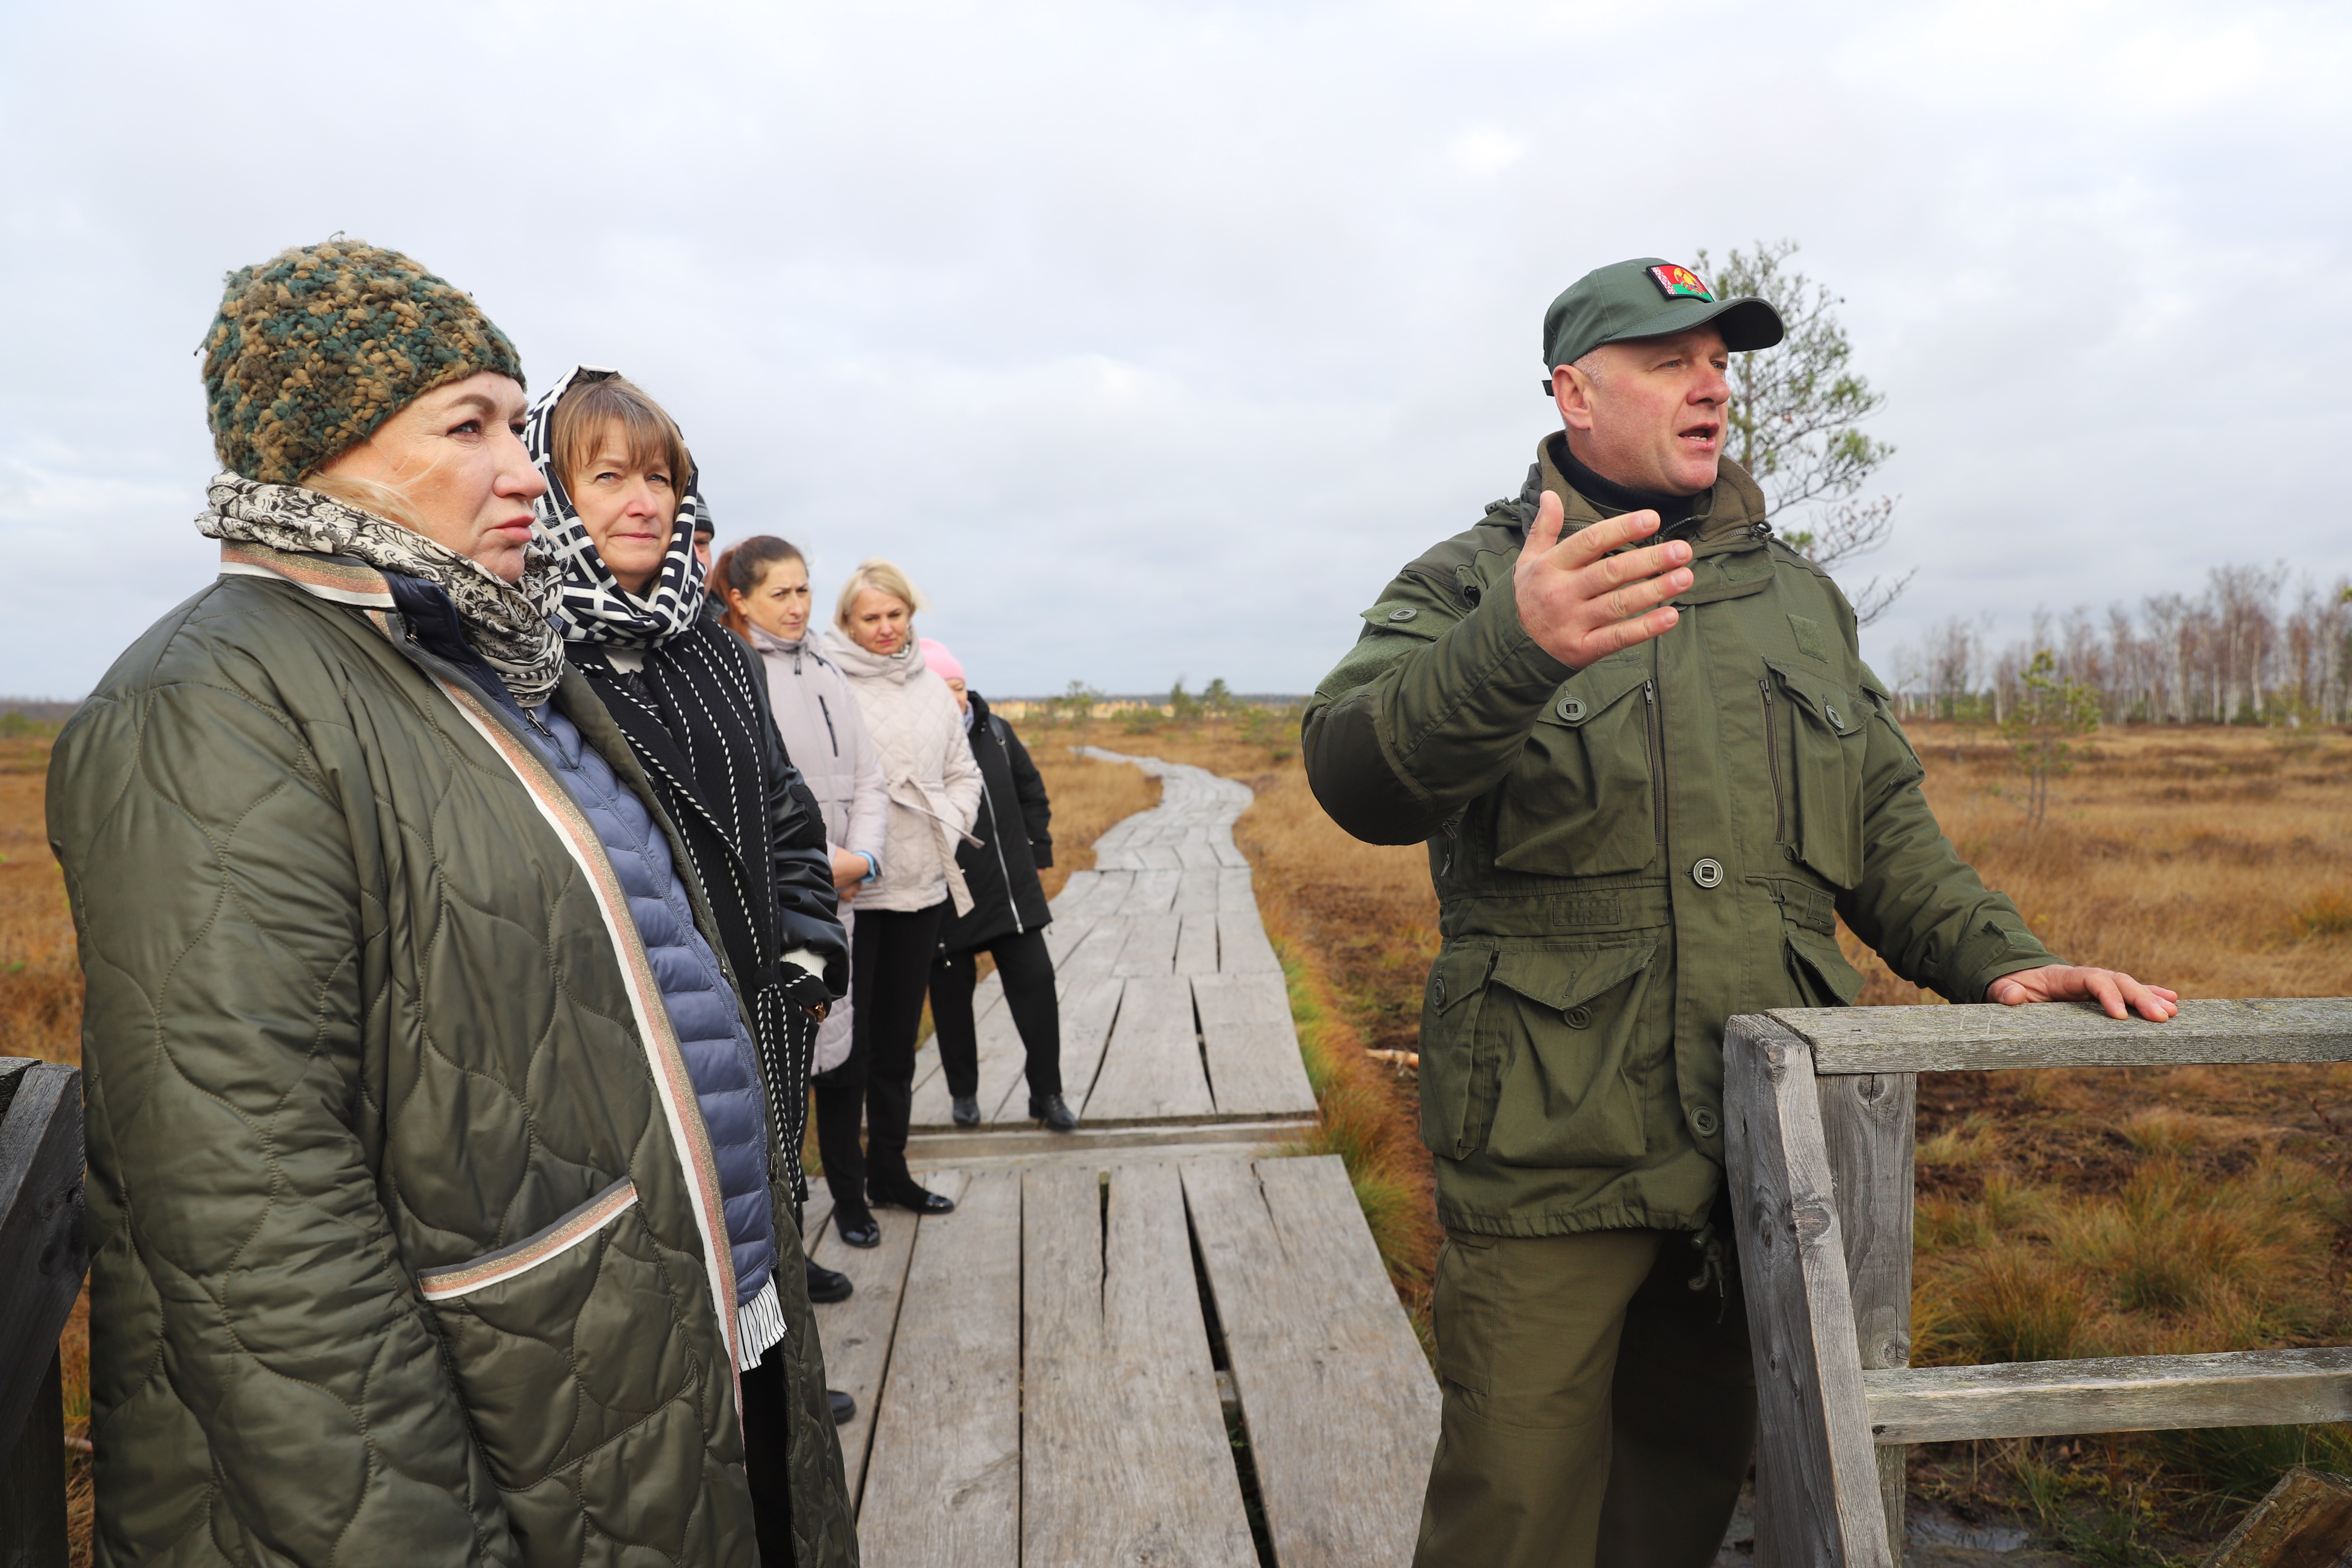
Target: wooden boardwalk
{"x":1175,"y":1022}
{"x":1117,"y":1354}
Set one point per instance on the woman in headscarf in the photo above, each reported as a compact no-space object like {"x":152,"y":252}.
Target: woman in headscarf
{"x":620,"y":515}
{"x":934,"y":785}
{"x":428,"y":1174}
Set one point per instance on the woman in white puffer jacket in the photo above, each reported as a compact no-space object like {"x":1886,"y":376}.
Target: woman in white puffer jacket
{"x":935,"y":792}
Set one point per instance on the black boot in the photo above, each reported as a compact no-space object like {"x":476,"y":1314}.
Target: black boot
{"x":844,"y":1409}
{"x":903,"y":1193}
{"x":828,"y":1285}
{"x":1054,"y":1111}
{"x":855,"y":1223}
{"x":967,"y":1111}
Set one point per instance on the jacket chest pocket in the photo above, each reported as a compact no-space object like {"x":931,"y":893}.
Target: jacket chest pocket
{"x":1814,"y":738}
{"x":1569,"y":1036}
{"x":564,"y":1341}
{"x":1585,"y":798}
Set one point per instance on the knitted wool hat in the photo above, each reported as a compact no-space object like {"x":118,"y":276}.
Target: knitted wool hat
{"x":320,"y":344}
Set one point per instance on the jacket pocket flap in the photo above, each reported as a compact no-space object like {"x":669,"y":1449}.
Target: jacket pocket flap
{"x":1595,"y":689}
{"x":1833,"y":704}
{"x":1457,"y":976}
{"x":1566,"y":979}
{"x":1413,"y":620}
{"x":1827,"y":961}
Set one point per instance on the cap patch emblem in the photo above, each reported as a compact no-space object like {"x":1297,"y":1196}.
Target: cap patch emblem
{"x":1680,"y":283}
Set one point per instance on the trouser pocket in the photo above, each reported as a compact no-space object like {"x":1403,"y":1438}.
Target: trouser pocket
{"x":563,"y":1340}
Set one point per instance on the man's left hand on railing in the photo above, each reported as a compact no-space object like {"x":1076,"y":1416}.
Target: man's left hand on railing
{"x":2112,"y":989}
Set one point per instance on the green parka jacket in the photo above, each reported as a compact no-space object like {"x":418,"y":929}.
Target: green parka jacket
{"x":401,"y":1205}
{"x":1628,"y":855}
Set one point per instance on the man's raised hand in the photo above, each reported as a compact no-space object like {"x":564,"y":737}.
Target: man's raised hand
{"x":1583,"y":604}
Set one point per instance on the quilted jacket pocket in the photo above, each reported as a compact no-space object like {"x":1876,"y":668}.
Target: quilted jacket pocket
{"x":1822,"y":768}
{"x":1582,"y":799}
{"x":1569,"y":1024}
{"x":563,"y":1340}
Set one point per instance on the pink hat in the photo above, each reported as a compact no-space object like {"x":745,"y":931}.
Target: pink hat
{"x":939,"y":662}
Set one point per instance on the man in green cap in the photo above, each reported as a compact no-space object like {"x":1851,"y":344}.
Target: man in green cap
{"x":1652,"y":771}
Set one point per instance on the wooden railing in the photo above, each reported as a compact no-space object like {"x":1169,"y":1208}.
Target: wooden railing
{"x":43,"y":1255}
{"x":1818,"y":1131}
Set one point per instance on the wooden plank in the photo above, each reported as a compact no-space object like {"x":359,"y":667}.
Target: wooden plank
{"x":1986,"y":1036}
{"x":43,"y":1243}
{"x":1235,"y":891}
{"x":2304,"y":1523}
{"x":1065,"y":934}
{"x":1197,"y":892}
{"x":1196,"y":944}
{"x":1087,"y":1013}
{"x":1153,"y":892}
{"x":856,"y":1333}
{"x":1150,"y":947}
{"x":1124,"y":1455}
{"x":1242,"y":946}
{"x":1151,"y":1068}
{"x":1866,"y":1127}
{"x":944,"y":1482}
{"x":1250,"y":1046}
{"x":1817,"y":1498}
{"x":2124,"y":1394}
{"x":1340,"y":1388}
{"x":33,"y":1478}
{"x":1093,"y":958}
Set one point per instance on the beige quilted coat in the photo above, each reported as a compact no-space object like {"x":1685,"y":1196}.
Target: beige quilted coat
{"x":918,"y":731}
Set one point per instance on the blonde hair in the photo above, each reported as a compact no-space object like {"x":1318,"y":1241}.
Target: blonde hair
{"x":390,"y":503}
{"x":882,"y":577}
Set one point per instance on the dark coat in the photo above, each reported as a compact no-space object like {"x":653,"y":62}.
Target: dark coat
{"x":1017,"y":841}
{"x":697,"y":716}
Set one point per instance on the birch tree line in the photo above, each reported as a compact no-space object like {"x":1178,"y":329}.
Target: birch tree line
{"x":2258,"y":646}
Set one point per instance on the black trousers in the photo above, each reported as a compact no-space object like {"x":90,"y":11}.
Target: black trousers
{"x":766,"y":1393}
{"x":1026,"y":970}
{"x":889,"y":970}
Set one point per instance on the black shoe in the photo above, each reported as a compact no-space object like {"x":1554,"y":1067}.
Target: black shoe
{"x":857,"y":1226}
{"x":844,"y":1409}
{"x":828,"y":1284}
{"x":910,"y":1196}
{"x":967,"y":1111}
{"x":1055,"y":1112}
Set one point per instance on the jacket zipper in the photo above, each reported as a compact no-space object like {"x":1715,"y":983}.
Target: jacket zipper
{"x":997,"y":844}
{"x":1657,"y":737}
{"x":829,"y":732}
{"x":1773,"y":752}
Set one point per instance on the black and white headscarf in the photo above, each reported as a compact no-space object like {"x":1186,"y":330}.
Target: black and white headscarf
{"x":506,"y":622}
{"x":591,"y":604}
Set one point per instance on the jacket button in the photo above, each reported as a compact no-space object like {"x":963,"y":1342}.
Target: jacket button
{"x":1836,"y":722}
{"x":1707,"y":873}
{"x":1571,"y":709}
{"x":1579,"y":1018}
{"x":1403,"y":613}
{"x":1704,"y":1123}
{"x":1437,"y":989}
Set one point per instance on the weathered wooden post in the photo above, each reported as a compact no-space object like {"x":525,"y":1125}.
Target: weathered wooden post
{"x":44,"y":1252}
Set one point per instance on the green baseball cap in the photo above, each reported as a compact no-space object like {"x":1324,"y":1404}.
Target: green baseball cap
{"x":1649,"y":297}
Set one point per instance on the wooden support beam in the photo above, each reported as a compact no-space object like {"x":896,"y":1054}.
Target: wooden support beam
{"x":1986,"y":1036}
{"x":1818,"y":1502}
{"x":2124,"y":1394}
{"x":44,"y":1245}
{"x":1866,"y":1127}
{"x":2304,"y":1523}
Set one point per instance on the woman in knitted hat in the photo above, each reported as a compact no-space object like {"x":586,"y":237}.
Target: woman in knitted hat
{"x":427,"y":1152}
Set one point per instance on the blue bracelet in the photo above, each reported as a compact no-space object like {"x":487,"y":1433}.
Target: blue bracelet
{"x":872,"y":867}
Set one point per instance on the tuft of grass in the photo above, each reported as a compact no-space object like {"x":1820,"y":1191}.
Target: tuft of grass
{"x":2327,"y":914}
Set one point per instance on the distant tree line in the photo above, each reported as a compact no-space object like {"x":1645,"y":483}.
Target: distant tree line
{"x":2253,"y":648}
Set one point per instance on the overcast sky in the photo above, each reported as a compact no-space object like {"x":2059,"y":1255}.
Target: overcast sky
{"x":1152,"y":339}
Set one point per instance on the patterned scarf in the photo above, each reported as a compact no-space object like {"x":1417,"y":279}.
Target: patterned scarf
{"x":593,"y":606}
{"x":506,"y":623}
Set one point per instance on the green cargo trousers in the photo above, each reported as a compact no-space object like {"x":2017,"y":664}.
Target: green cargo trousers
{"x":1597,"y":1408}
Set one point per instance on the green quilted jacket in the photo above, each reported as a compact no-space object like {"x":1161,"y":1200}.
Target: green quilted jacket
{"x":1628,"y":855}
{"x":402,"y":1210}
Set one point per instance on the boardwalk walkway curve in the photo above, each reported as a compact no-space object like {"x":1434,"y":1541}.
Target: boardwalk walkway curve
{"x":1056,"y":1373}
